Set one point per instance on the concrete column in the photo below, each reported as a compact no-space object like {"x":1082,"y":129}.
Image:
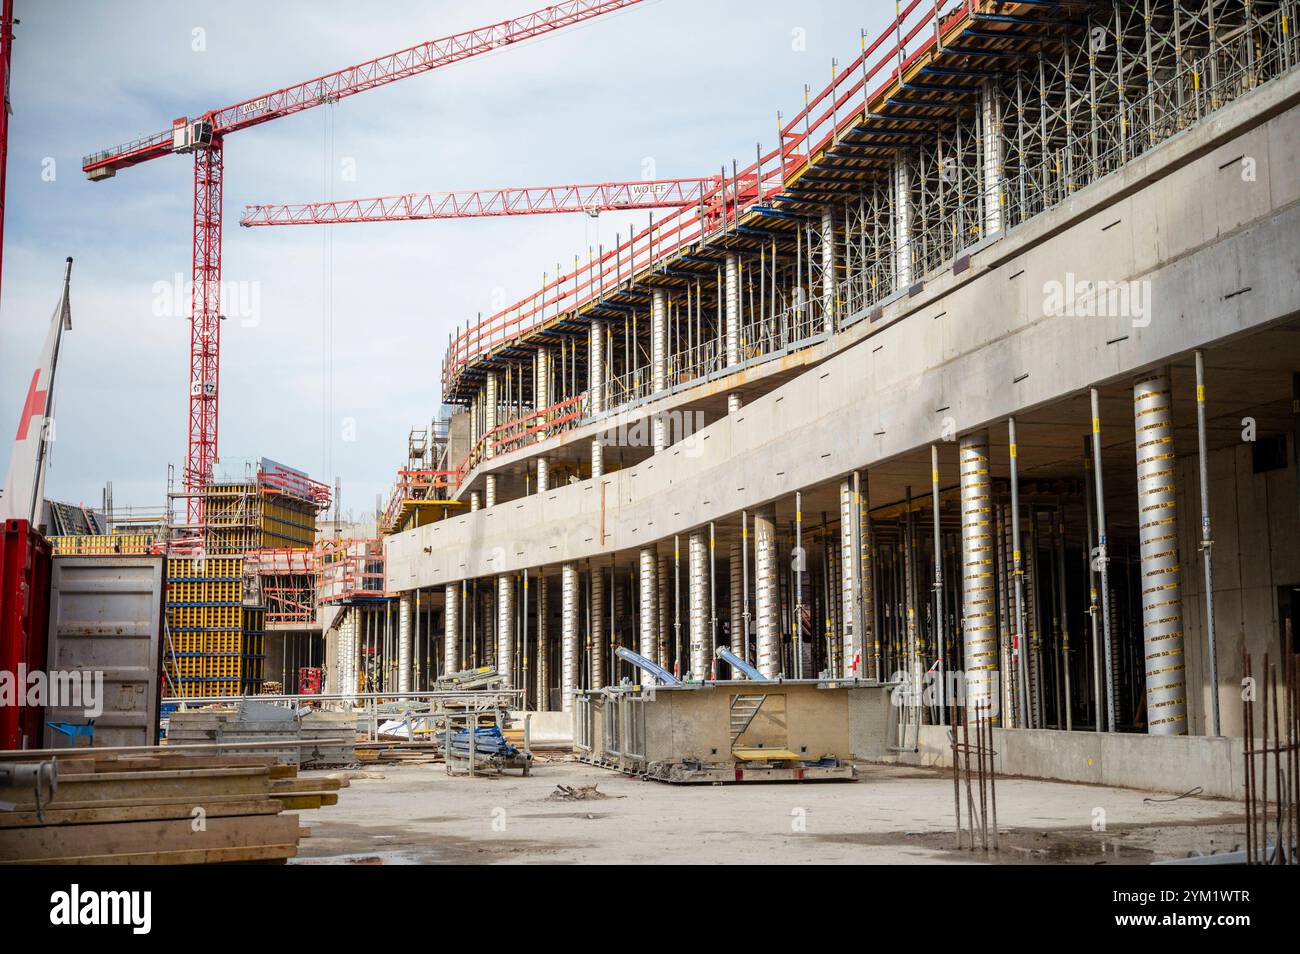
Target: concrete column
{"x":542,"y":386}
{"x":865,"y":620}
{"x":648,"y":618}
{"x":849,"y":591}
{"x":451,"y":629}
{"x":491,"y":404}
{"x":665,"y":614}
{"x":505,"y":656}
{"x":829,"y":291}
{"x":698,"y":598}
{"x":348,"y":653}
{"x":596,"y":390}
{"x":731,"y":271}
{"x":568,"y":635}
{"x":902,"y":203}
{"x":659,"y":362}
{"x":596,"y":367}
{"x":543,"y":646}
{"x":991,"y":135}
{"x":598,"y":620}
{"x":767,"y":596}
{"x":541,"y":401}
{"x":979,"y":598}
{"x":737,"y":641}
{"x":1161,"y":589}
{"x":405,"y":611}
{"x":475,"y":501}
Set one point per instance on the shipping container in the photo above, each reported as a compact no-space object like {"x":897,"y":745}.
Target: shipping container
{"x":106,"y":623}
{"x":25,"y":558}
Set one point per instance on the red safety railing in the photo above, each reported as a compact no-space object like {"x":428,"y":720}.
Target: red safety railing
{"x":351,"y":569}
{"x":294,"y":484}
{"x":800,"y":140}
{"x":521,"y":431}
{"x":416,"y":485}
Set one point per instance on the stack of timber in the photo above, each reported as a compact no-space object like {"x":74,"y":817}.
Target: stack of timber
{"x":154,"y":805}
{"x":332,"y":734}
{"x":388,"y":751}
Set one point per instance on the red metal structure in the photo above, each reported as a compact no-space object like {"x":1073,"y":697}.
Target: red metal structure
{"x":205,"y":137}
{"x":478,"y":203}
{"x":25,"y":564}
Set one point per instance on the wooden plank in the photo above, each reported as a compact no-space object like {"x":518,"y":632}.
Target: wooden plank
{"x":189,"y":801}
{"x":96,"y":814}
{"x":315,"y":784}
{"x":193,"y":784}
{"x":144,"y":837}
{"x":44,"y":755}
{"x":299,"y":801}
{"x":242,"y":854}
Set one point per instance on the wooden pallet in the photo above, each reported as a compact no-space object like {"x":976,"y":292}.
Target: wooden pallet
{"x":160,"y":806}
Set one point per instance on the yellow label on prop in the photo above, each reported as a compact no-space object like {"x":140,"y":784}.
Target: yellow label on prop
{"x":1200,"y":393}
{"x":1096,"y":425}
{"x":1013,"y":450}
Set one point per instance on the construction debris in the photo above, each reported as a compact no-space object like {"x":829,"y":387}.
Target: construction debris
{"x":578,"y":793}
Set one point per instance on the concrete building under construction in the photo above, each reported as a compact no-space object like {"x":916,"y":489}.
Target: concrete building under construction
{"x":988,"y":368}
{"x":945,"y":453}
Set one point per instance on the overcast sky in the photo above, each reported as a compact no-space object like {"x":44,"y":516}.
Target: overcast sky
{"x":688,"y":84}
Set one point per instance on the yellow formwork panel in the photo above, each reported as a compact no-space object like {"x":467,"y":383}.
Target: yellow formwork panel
{"x":103,"y":544}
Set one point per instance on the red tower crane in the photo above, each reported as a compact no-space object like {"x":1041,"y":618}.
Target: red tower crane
{"x":205,"y":135}
{"x":477,"y":203}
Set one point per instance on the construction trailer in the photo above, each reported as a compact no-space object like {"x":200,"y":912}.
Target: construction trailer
{"x":734,"y":730}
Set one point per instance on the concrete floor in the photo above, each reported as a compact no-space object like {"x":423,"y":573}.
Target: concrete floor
{"x":417,"y":814}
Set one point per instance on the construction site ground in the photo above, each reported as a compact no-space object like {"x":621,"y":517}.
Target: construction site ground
{"x":892,"y":815}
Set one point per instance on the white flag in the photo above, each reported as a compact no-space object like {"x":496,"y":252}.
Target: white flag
{"x":25,"y":485}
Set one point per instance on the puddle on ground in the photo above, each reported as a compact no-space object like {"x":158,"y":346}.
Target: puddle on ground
{"x":1127,"y":845}
{"x":349,"y":843}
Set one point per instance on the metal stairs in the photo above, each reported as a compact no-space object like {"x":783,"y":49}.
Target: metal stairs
{"x":743,"y":709}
